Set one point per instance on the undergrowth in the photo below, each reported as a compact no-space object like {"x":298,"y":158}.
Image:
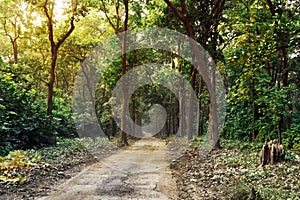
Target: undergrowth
{"x":240,"y":161}
{"x":15,"y":165}
{"x":12,"y":165}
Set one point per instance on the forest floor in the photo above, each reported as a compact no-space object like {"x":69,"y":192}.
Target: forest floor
{"x":142,"y":171}
{"x":233,"y":172}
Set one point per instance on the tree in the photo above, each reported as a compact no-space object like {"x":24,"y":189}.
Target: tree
{"x":115,"y":24}
{"x":284,"y":14}
{"x":183,"y":15}
{"x":87,"y":35}
{"x":11,"y":18}
{"x":48,"y":7}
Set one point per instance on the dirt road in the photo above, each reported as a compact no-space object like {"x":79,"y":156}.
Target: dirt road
{"x":139,"y":172}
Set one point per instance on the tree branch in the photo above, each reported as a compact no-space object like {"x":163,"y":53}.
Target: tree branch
{"x":72,"y":27}
{"x":175,"y":10}
{"x":118,"y":17}
{"x":106,"y":14}
{"x":6,"y":32}
{"x":184,"y":8}
{"x":49,"y":24}
{"x":67,"y":34}
{"x":272,"y":7}
{"x":218,"y":9}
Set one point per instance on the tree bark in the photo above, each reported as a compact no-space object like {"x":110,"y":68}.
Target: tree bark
{"x":16,"y":53}
{"x":124,"y":90}
{"x":181,"y":97}
{"x":51,"y":83}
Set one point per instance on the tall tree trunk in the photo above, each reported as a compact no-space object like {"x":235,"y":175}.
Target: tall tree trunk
{"x":124,"y":90}
{"x":253,"y":109}
{"x":190,"y":130}
{"x":133,"y":114}
{"x":88,"y":85}
{"x":51,"y":83}
{"x":16,"y":53}
{"x":15,"y":43}
{"x":213,"y":111}
{"x":181,"y":97}
{"x":116,"y":27}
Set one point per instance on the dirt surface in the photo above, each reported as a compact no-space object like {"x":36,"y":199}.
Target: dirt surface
{"x":55,"y":170}
{"x":232,"y":174}
{"x":143,"y":171}
{"x":138,"y":172}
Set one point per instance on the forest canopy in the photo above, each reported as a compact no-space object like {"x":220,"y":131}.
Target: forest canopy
{"x":43,"y":45}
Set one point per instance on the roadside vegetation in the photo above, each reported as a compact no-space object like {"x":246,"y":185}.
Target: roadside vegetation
{"x":233,"y":173}
{"x":29,"y":173}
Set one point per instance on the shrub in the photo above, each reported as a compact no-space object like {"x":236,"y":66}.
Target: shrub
{"x":23,"y":120}
{"x":291,"y":138}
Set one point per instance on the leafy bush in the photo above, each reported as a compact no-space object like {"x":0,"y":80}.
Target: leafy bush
{"x":63,"y":121}
{"x":22,"y":115}
{"x":242,"y":190}
{"x":70,"y":150}
{"x":64,"y":149}
{"x":291,"y":138}
{"x":23,"y":120}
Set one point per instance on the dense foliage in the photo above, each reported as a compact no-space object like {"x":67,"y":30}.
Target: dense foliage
{"x":255,"y":45}
{"x":23,"y":119}
{"x":261,"y":63}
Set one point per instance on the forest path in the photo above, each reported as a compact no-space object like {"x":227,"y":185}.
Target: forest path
{"x":138,"y":172}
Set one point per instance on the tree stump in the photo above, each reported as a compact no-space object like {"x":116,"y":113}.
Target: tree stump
{"x":271,"y":153}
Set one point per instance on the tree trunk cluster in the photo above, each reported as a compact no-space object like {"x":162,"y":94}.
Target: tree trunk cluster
{"x":271,"y":153}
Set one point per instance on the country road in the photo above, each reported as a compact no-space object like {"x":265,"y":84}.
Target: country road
{"x":138,"y":172}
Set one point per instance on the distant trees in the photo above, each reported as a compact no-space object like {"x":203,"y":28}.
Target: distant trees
{"x":255,"y":45}
{"x":11,"y":20}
